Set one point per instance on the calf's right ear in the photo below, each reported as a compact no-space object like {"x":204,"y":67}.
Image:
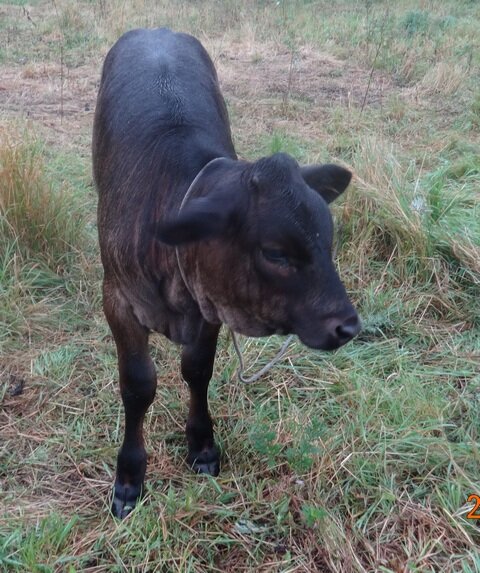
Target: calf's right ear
{"x":328,"y":180}
{"x":210,"y":215}
{"x":202,"y":218}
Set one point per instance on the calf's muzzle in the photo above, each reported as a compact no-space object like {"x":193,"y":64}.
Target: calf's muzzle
{"x":331,"y":332}
{"x":341,"y":330}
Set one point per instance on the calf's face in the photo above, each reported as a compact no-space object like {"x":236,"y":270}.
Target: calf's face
{"x":259,"y":249}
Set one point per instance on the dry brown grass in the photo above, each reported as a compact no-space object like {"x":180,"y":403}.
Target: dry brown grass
{"x":443,"y":78}
{"x":40,"y":219}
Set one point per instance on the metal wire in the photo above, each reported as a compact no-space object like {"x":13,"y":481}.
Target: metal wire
{"x":266,"y":368}
{"x":241,"y":370}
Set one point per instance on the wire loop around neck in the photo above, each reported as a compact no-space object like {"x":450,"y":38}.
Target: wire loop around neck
{"x":182,"y":205}
{"x":241,"y":370}
{"x":254,"y":377}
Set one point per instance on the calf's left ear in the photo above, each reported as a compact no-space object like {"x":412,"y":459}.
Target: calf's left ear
{"x":329,"y":180}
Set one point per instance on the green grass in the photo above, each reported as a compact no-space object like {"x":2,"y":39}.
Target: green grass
{"x":352,"y":461}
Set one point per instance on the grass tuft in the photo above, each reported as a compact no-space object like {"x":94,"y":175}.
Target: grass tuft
{"x":43,"y":222}
{"x":443,"y":78}
{"x":418,"y":222}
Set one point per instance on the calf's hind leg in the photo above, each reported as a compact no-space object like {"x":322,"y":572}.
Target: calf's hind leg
{"x":138,"y":383}
{"x":197,"y":368}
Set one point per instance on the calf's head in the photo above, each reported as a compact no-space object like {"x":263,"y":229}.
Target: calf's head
{"x":258,"y":249}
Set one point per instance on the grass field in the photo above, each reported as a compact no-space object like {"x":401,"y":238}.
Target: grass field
{"x":361,"y":460}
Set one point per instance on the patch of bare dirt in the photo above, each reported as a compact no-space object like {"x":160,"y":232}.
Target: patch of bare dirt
{"x":305,"y":74}
{"x":55,"y":97}
{"x":264,"y":83}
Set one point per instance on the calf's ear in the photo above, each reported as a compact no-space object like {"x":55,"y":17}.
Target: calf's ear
{"x":202,"y":218}
{"x":210,"y":215}
{"x":329,"y":180}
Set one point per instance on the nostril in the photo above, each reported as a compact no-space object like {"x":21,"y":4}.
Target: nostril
{"x":344,"y":333}
{"x":348,"y":329}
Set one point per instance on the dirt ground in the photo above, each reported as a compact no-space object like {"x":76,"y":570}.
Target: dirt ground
{"x":261,"y":82}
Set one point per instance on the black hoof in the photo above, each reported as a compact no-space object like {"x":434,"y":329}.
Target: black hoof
{"x":206,"y":461}
{"x":125,"y":498}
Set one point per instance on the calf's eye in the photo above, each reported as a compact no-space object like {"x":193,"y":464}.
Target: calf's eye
{"x":275,"y":256}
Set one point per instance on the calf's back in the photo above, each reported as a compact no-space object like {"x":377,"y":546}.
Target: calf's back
{"x":160,"y":118}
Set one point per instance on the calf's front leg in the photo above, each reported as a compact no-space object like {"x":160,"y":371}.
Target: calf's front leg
{"x":197,"y":368}
{"x":138,"y":383}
